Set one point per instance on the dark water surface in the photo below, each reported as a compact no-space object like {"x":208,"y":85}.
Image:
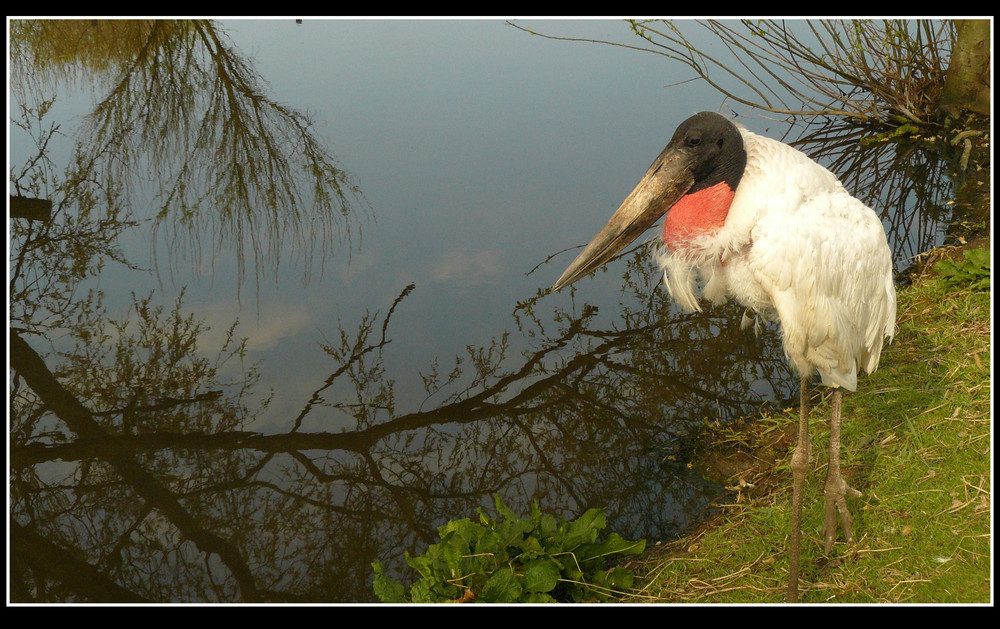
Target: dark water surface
{"x":400,"y":365}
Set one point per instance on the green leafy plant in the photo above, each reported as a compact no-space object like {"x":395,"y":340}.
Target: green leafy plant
{"x":513,"y":560}
{"x":974,"y":270}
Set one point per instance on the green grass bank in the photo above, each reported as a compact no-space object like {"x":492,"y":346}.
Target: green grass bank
{"x":917,"y":443}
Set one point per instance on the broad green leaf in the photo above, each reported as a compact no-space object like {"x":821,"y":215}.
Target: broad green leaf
{"x":501,"y":587}
{"x":584,"y":529}
{"x":541,"y":575}
{"x":424,"y":564}
{"x":421,"y":593}
{"x":503,"y":509}
{"x":386,"y":589}
{"x":615,"y":544}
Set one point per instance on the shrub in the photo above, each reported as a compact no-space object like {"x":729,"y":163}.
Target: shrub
{"x":507,"y":560}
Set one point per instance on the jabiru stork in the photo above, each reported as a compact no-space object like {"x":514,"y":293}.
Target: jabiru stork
{"x":751,"y":218}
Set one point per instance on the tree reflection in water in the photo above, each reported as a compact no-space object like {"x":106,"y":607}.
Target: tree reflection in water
{"x":154,"y":471}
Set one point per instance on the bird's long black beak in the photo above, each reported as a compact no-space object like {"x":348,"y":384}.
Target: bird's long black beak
{"x":667,"y":180}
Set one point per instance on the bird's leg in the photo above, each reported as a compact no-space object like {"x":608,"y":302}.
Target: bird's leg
{"x":799,"y":465}
{"x":836,"y":488}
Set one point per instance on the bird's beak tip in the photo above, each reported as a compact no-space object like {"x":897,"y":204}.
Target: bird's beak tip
{"x":666,"y":180}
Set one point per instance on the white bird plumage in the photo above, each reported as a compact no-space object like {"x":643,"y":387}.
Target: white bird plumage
{"x":796,"y":246}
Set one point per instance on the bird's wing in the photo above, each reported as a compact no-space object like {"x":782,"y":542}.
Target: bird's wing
{"x":828,"y":270}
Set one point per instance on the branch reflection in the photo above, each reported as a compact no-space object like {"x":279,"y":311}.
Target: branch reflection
{"x":185,"y":115}
{"x":155,"y":470}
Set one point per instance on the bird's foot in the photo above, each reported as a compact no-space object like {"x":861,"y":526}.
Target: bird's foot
{"x":836,"y":492}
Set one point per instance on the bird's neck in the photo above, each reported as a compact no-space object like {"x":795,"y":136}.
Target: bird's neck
{"x":697,"y":214}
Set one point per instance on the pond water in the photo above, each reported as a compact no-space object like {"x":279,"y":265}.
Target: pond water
{"x":392,"y":379}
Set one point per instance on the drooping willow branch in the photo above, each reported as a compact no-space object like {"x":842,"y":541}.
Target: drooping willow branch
{"x":864,"y":70}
